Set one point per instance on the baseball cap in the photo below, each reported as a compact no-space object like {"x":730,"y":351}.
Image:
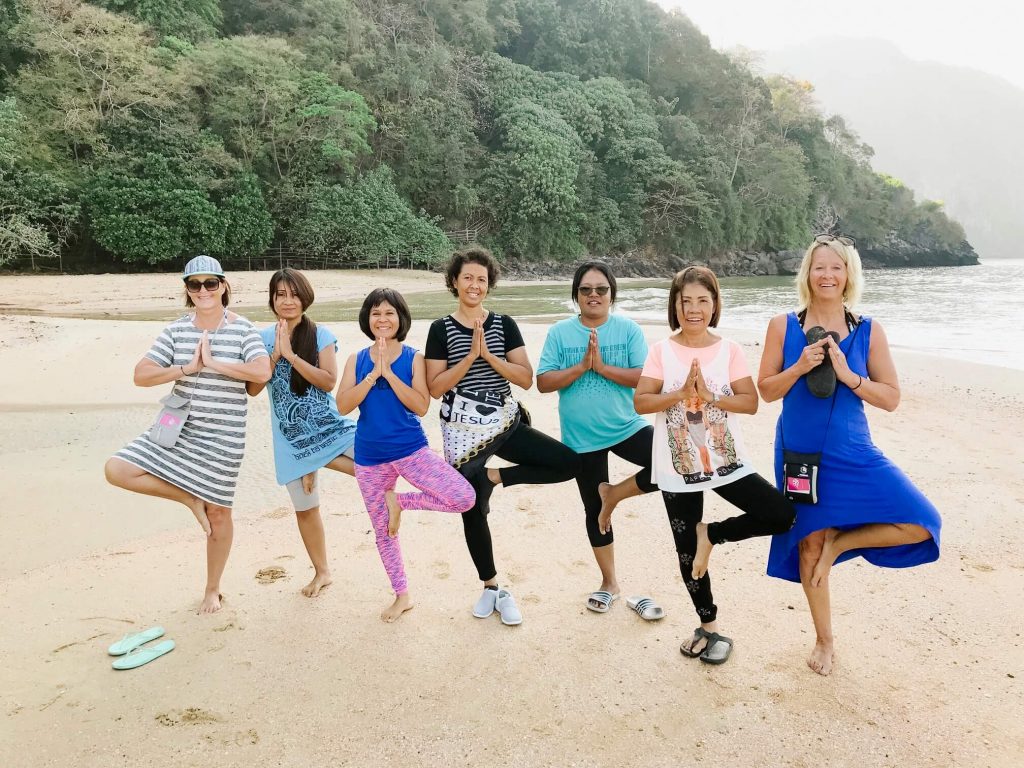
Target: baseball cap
{"x":202,"y":265}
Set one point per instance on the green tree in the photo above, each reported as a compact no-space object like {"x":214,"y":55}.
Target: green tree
{"x":38,"y":210}
{"x":191,"y":20}
{"x":278,"y":117}
{"x":367,"y":223}
{"x":147,"y":212}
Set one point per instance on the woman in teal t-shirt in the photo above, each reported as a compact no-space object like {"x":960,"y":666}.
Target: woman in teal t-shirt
{"x":594,"y":361}
{"x":309,"y":433}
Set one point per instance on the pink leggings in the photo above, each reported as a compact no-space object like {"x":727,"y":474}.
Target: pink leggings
{"x":442,"y":488}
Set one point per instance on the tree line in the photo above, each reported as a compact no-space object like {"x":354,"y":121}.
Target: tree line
{"x":135,"y":132}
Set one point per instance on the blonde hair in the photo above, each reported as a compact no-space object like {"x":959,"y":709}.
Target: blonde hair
{"x":854,"y":273}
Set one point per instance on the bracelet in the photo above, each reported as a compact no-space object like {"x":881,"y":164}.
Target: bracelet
{"x":183,"y":374}
{"x":860,"y":380}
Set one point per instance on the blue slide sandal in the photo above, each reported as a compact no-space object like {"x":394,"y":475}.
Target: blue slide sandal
{"x":129,"y":643}
{"x":143,"y":655}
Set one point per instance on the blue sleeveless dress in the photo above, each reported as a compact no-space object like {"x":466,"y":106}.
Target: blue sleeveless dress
{"x":857,"y":484}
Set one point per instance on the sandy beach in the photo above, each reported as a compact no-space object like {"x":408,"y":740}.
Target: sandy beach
{"x":930,"y":660}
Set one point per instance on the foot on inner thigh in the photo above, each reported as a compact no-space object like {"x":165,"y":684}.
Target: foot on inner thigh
{"x":320,"y":581}
{"x":402,"y":604}
{"x":394,"y":513}
{"x":829,"y":553}
{"x":703,"y":554}
{"x":211,"y":601}
{"x":821,"y":657}
{"x":608,"y":503}
{"x":198,"y":507}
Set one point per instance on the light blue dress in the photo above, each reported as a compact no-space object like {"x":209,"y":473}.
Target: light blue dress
{"x":309,"y":433}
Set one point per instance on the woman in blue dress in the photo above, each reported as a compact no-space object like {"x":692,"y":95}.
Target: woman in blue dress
{"x":866,"y":506}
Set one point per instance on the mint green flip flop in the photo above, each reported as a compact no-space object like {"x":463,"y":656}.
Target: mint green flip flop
{"x":143,"y":655}
{"x":129,"y":643}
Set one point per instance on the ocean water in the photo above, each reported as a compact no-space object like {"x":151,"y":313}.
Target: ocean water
{"x":969,"y":313}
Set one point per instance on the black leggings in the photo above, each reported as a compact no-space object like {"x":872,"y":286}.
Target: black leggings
{"x":539,"y":459}
{"x":635,"y":449}
{"x":765,"y":512}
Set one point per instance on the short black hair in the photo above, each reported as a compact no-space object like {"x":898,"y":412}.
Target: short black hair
{"x":379,"y":296}
{"x":585,"y":267}
{"x":472,"y":255}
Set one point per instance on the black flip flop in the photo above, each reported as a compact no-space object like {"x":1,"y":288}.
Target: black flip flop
{"x":698,"y":634}
{"x":714,"y":639}
{"x":821,"y":380}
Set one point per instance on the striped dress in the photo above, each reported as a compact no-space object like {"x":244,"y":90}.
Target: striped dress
{"x":208,"y":453}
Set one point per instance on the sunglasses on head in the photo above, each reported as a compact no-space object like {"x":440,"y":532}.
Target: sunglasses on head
{"x":194,"y":286}
{"x":825,"y":237}
{"x":600,"y":290}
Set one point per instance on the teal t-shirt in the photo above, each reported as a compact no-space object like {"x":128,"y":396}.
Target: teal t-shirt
{"x":308,"y":431}
{"x":595,"y":412}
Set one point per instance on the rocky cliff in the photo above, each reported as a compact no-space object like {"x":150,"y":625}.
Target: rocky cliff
{"x":893,"y":253}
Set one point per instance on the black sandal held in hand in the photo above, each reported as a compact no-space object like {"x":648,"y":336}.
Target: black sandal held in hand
{"x":821,"y":380}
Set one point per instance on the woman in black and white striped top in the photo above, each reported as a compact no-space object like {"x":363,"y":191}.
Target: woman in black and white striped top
{"x":472,"y":356}
{"x":209,"y":355}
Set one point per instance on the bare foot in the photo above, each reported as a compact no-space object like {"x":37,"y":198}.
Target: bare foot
{"x":828,"y":556}
{"x":703,"y":555}
{"x":211,"y":602}
{"x":320,"y":581}
{"x":198,"y":507}
{"x":604,"y":519}
{"x":402,"y":604}
{"x":308,"y":483}
{"x":821,"y":656}
{"x":394,"y":513}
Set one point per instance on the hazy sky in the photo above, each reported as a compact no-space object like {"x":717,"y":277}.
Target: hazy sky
{"x":981,"y":34}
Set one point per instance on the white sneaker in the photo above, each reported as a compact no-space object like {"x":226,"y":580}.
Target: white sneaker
{"x":506,"y":605}
{"x":485,"y":603}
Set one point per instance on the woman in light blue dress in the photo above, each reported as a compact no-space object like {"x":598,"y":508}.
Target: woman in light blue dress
{"x":309,"y":433}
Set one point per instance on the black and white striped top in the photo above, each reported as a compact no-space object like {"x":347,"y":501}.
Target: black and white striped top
{"x":450,"y":340}
{"x":208,"y":453}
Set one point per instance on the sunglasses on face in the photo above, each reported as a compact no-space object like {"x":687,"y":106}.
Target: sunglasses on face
{"x":825,"y":237}
{"x":600,"y":290}
{"x":194,"y":286}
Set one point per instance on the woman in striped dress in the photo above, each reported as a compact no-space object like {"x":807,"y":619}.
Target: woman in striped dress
{"x":472,"y":356}
{"x":209,"y":355}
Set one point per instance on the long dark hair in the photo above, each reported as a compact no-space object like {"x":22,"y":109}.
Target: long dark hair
{"x":304,"y":336}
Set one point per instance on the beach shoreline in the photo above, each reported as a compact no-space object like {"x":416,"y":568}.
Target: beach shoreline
{"x":930,"y":659}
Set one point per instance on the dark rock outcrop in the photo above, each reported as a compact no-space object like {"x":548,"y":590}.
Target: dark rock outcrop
{"x":893,"y":253}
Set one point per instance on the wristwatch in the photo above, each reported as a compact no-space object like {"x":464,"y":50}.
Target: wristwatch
{"x":714,"y":398}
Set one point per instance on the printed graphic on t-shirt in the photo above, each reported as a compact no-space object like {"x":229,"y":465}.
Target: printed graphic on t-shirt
{"x":616,"y":355}
{"x":307,"y":423}
{"x":699,"y":439}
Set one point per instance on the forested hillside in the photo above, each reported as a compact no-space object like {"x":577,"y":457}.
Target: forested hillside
{"x":135,"y":132}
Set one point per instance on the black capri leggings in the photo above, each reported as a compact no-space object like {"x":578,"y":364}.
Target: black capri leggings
{"x":765,"y":512}
{"x":635,"y":449}
{"x":538,"y":459}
